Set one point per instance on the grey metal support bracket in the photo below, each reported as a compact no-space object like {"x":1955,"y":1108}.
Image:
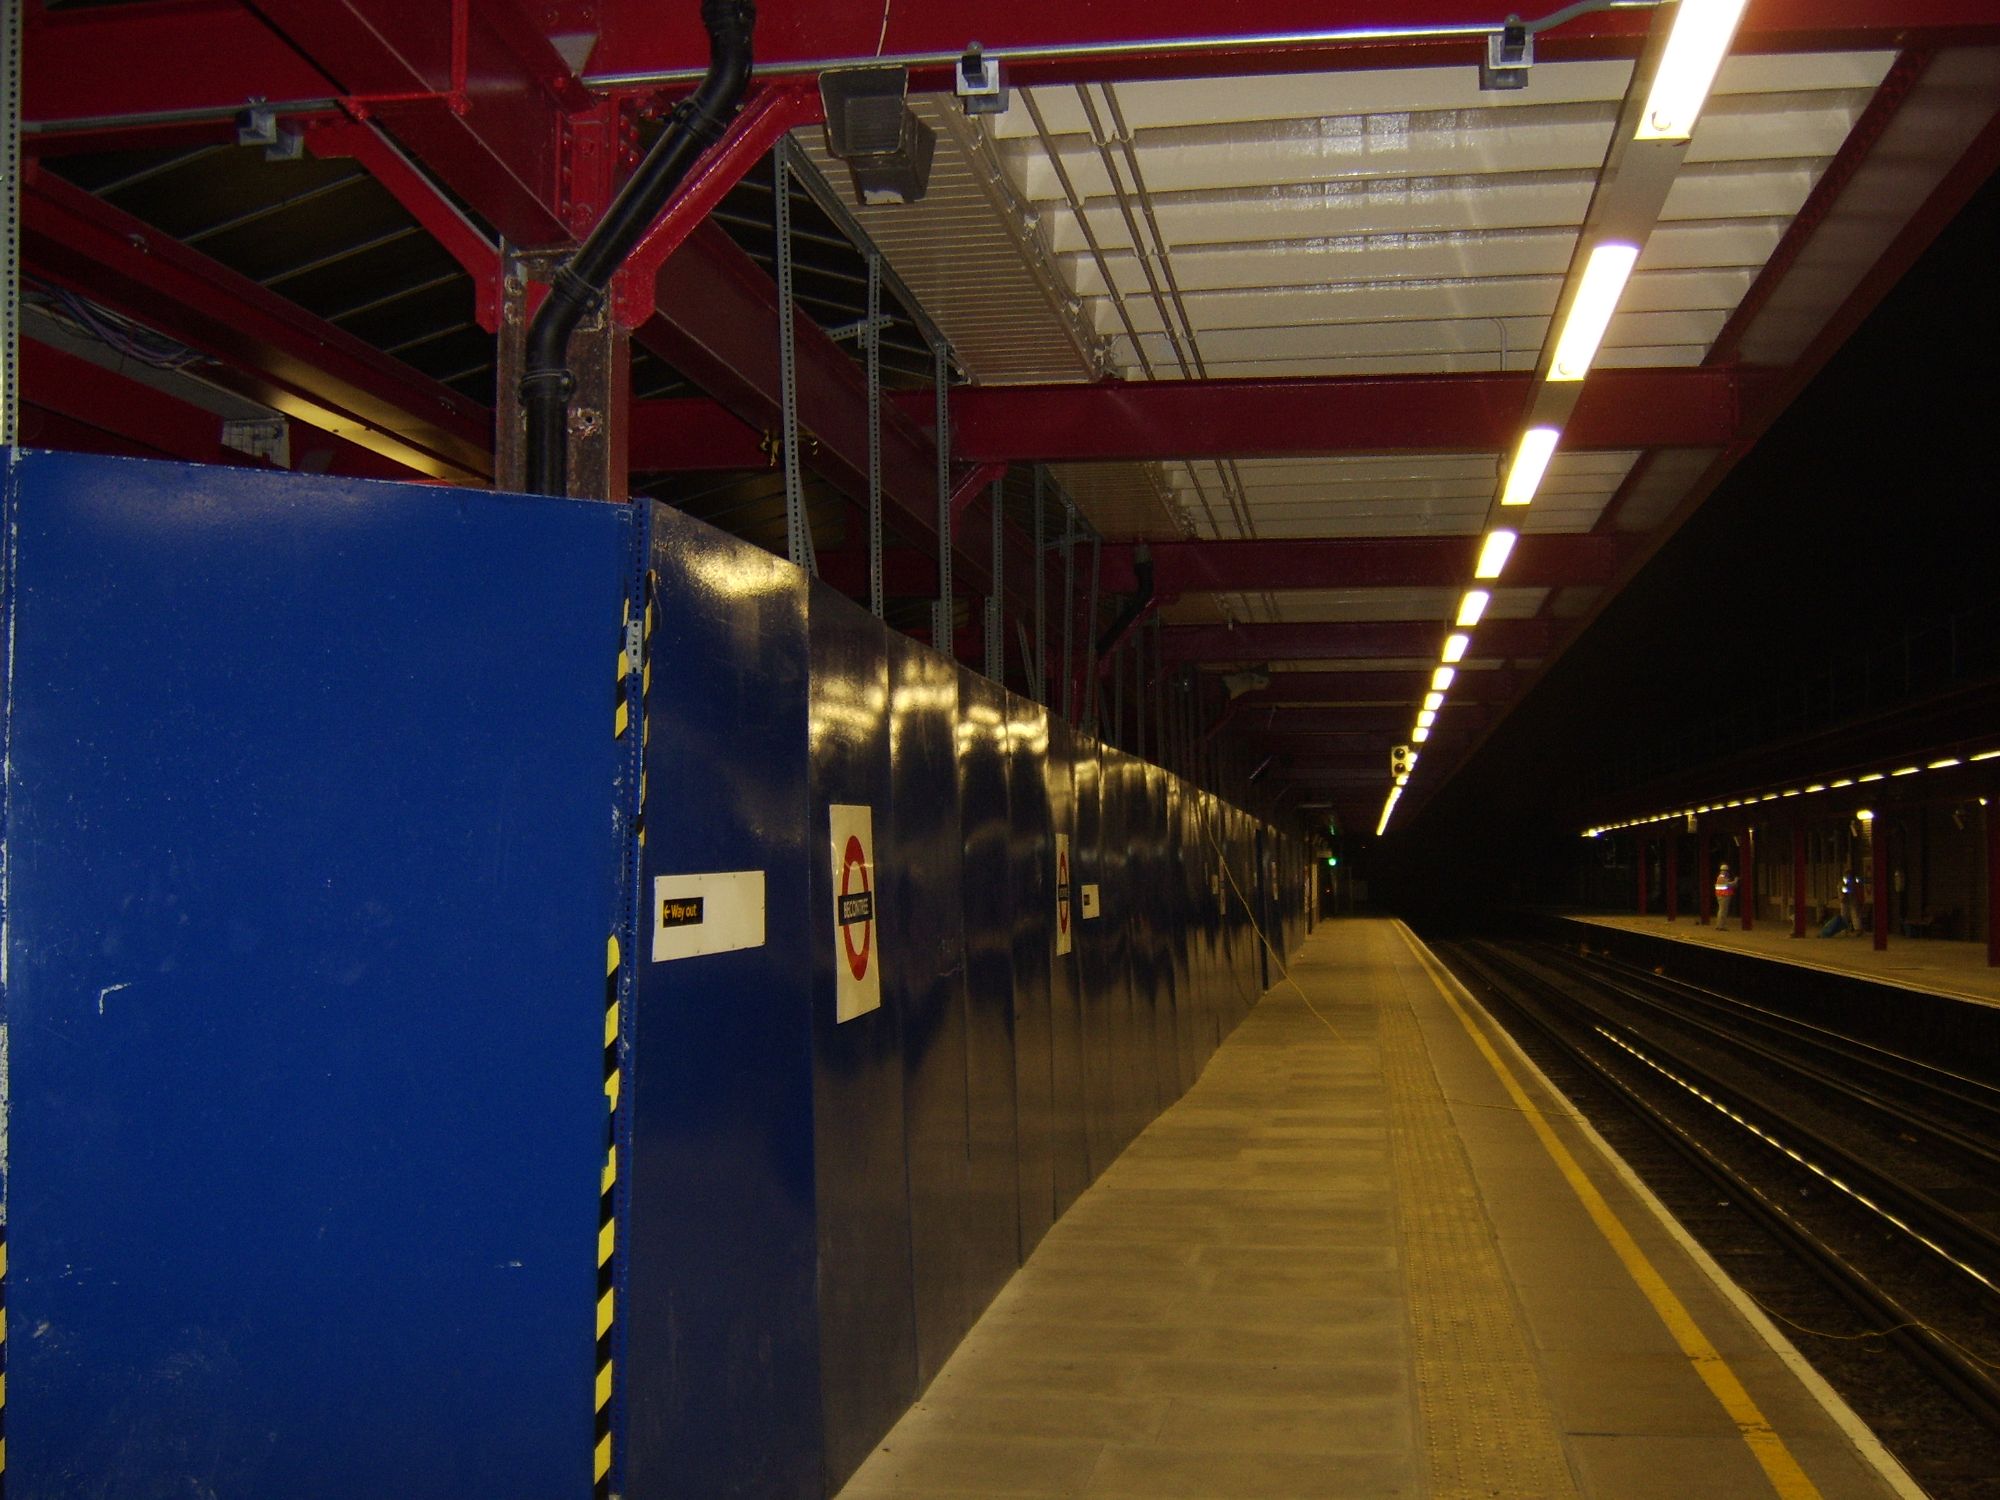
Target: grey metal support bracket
{"x":1041,"y":656}
{"x":996,"y":642}
{"x":798,"y":525}
{"x":872,"y":342}
{"x":943,"y":612}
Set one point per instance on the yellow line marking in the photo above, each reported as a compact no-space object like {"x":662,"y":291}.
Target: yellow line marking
{"x":1787,"y":1478}
{"x":610,"y":1025}
{"x":607,"y":1240}
{"x":604,"y":1313}
{"x":611,"y":1089}
{"x":611,"y":955}
{"x":610,"y":1173}
{"x":603,"y":1457}
{"x":603,"y":1388}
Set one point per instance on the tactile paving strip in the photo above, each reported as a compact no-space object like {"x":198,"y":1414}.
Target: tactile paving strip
{"x":1489,"y":1431}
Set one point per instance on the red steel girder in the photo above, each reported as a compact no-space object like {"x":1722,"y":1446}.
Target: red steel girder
{"x":1540,"y":560}
{"x":1489,"y":685}
{"x":1348,"y":639}
{"x":282,"y":355}
{"x":99,"y":410}
{"x":1141,"y":420}
{"x":1671,"y":408}
{"x":1393,"y":720}
{"x":1113,"y":39}
{"x":159,"y":57}
{"x":483,"y":108}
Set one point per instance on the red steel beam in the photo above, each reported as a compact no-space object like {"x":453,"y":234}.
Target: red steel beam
{"x":1490,"y":685}
{"x":1540,"y":560}
{"x":1394,"y":721}
{"x":1348,"y":639}
{"x":131,"y":416}
{"x":493,"y":131}
{"x":1672,"y":408}
{"x":1115,"y":39}
{"x":283,"y":356}
{"x":1143,"y":420}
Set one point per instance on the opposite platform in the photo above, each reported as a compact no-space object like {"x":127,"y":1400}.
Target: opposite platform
{"x":1935,"y":966}
{"x":1369,"y":1255}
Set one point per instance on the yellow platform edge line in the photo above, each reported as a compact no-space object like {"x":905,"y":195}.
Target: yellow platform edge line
{"x":1787,"y":1478}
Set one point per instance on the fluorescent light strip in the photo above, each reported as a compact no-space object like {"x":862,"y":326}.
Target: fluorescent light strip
{"x":1493,"y":555}
{"x":1472,"y":608}
{"x":1441,"y":680}
{"x":1590,"y":312}
{"x":1426,"y":718}
{"x":1420,"y":734}
{"x":1695,"y":48}
{"x":1456,"y":645}
{"x":1433,"y":700}
{"x":1531,"y":458}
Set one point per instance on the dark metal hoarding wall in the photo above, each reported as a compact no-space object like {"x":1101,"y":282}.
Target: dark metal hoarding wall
{"x":578,"y":1081}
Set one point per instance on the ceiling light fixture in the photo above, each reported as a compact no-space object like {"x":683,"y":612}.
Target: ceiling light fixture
{"x":1472,"y":607}
{"x":1531,"y":459}
{"x":1420,"y":735}
{"x":1433,"y":700}
{"x":1456,"y":645}
{"x":1427,"y":718}
{"x":1441,"y":680}
{"x":1590,"y":311}
{"x":1695,"y":48}
{"x":1493,"y":556}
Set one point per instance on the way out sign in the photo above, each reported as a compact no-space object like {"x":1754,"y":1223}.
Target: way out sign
{"x":857,"y":939}
{"x":1062,"y":894}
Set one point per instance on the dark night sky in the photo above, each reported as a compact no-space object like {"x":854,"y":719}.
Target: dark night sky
{"x":1872,"y":504}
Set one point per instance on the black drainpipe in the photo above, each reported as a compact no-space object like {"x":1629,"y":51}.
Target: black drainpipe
{"x":577,"y":289}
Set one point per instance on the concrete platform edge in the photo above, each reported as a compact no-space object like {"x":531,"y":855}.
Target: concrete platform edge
{"x":1843,"y":1416}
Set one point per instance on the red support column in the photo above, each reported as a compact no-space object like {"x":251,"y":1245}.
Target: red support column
{"x":1879,"y":843}
{"x":1798,"y":879}
{"x":1992,"y":885}
{"x":1641,"y":844}
{"x":1705,"y":878}
{"x":1673,"y":843}
{"x":1746,"y":881}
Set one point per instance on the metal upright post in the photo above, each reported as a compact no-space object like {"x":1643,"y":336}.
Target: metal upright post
{"x":1746,"y":881}
{"x":1041,"y":596}
{"x":874,"y":348}
{"x":1069,"y":607}
{"x":1090,"y":692}
{"x":798,"y":526}
{"x":1139,"y":692}
{"x":1798,"y":878}
{"x":942,"y":613}
{"x":10,"y":221}
{"x":1673,"y":851}
{"x":996,"y":643}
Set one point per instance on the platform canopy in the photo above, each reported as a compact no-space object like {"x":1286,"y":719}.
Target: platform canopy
{"x":1274,"y":291}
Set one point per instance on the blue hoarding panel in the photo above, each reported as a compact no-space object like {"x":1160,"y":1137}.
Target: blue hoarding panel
{"x":992,"y":1213}
{"x":868,"y":1347}
{"x":924,"y":978}
{"x":309,"y":845}
{"x":1031,"y":880}
{"x":721,"y":1386}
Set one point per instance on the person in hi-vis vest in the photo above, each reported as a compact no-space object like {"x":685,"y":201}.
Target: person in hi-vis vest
{"x":1725,"y":887}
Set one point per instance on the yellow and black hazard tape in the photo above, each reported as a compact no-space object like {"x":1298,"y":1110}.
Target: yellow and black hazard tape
{"x":607,"y":1192}
{"x":607,"y":1227}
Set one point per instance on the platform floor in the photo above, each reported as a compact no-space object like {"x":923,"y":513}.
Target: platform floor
{"x":1933,"y":965}
{"x":1369,"y":1255}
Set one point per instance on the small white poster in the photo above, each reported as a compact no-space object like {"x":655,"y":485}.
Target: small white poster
{"x":856,"y":942}
{"x":1090,"y":907}
{"x":1063,"y":936}
{"x":697,"y":914}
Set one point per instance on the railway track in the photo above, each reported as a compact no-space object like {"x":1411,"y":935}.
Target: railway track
{"x":1874,"y":1172}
